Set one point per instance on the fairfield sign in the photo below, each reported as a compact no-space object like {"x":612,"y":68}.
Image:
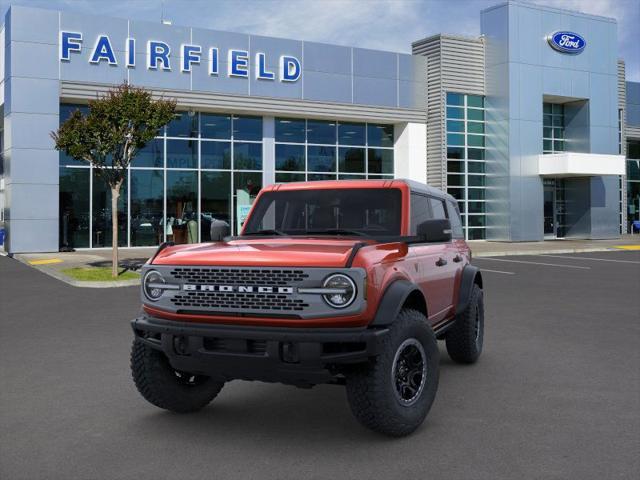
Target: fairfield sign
{"x":159,"y":56}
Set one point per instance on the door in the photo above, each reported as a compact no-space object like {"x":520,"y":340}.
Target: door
{"x":554,"y":208}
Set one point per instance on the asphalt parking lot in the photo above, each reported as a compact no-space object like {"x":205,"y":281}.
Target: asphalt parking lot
{"x":556,"y":394}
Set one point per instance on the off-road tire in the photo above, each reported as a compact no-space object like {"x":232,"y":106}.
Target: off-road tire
{"x":464,"y":342}
{"x":164,"y":387}
{"x":371,"y":388}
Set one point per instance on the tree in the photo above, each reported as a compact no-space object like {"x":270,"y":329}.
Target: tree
{"x":117,"y":126}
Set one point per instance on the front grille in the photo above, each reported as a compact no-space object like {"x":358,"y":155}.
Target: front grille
{"x":239,"y":301}
{"x":226,"y":345}
{"x":239,"y":276}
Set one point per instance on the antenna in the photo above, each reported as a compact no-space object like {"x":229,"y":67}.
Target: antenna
{"x":162,"y":19}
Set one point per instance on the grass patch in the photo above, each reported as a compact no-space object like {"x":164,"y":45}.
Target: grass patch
{"x":98,"y":274}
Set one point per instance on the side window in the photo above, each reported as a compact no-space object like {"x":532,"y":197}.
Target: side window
{"x":420,"y":211}
{"x":437,"y":207}
{"x":454,"y":218}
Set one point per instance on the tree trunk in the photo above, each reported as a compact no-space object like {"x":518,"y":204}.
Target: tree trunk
{"x":115,"y":193}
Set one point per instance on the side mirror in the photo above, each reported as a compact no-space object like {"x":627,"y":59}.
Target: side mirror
{"x":436,"y":231}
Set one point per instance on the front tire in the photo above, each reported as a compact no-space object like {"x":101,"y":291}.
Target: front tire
{"x":393,"y":394}
{"x":464,"y":339}
{"x":163,"y":386}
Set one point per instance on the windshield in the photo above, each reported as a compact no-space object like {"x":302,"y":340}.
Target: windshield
{"x":358,"y":212}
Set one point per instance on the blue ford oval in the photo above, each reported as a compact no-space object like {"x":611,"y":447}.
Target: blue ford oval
{"x":567,"y":42}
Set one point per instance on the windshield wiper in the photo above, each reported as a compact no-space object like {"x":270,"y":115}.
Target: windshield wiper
{"x":337,"y":231}
{"x":268,"y":231}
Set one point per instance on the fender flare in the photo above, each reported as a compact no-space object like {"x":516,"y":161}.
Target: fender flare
{"x":470,"y":275}
{"x":392,"y":301}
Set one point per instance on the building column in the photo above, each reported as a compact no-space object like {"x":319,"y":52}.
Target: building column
{"x":268,"y":151}
{"x":410,"y":151}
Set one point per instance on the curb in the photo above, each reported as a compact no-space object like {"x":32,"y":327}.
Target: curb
{"x":542,"y":252}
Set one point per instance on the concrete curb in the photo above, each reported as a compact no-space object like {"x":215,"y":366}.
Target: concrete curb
{"x":543,"y":252}
{"x":77,"y":283}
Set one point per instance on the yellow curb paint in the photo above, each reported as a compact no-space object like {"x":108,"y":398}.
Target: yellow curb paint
{"x":628,"y":247}
{"x":47,"y":261}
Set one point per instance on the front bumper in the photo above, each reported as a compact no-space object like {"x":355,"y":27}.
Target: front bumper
{"x":298,"y":356}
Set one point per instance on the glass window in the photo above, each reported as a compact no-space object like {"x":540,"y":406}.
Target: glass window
{"x":476,"y":220}
{"x":184,"y":124}
{"x":290,"y":157}
{"x":558,"y":145}
{"x":475,"y":154}
{"x":316,"y":177}
{"x":476,"y":167}
{"x":152,"y":155}
{"x":476,"y":180}
{"x":147,"y":193}
{"x":380,"y":161}
{"x":321,"y":159}
{"x":351,"y":177}
{"x":437,"y":208}
{"x":633,"y":149}
{"x":181,"y":222}
{"x":182,"y":153}
{"x":380,"y":135}
{"x":455,"y":139}
{"x":247,"y":156}
{"x":420,"y":211}
{"x":319,"y":131}
{"x":457,"y":193}
{"x":66,"y":109}
{"x":455,"y":167}
{"x":290,"y":130}
{"x":633,"y":170}
{"x":215,"y":155}
{"x":455,"y":126}
{"x":215,"y":206}
{"x":455,"y":152}
{"x":101,"y":216}
{"x":475,"y":140}
{"x":477,"y":115}
{"x":546,"y":108}
{"x":547,"y":132}
{"x":351,"y":160}
{"x":455,"y":180}
{"x":455,"y":98}
{"x":74,"y":207}
{"x":456,"y":113}
{"x":475,"y":127}
{"x":372,"y":212}
{"x":215,"y":126}
{"x":476,"y":193}
{"x":476,"y":207}
{"x":244,"y":184}
{"x":351,"y":133}
{"x":476,"y":234}
{"x":247,"y":128}
{"x":475,"y":101}
{"x":289,"y":177}
{"x":454,"y":218}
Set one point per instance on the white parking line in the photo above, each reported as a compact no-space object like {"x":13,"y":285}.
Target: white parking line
{"x":591,"y":258}
{"x":497,"y":271}
{"x":532,"y":263}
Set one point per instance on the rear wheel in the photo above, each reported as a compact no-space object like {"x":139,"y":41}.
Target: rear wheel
{"x":393,"y":394}
{"x":464,"y":339}
{"x":163,"y":386}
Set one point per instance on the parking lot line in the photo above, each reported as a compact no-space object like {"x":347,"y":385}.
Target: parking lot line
{"x":497,"y":271}
{"x":591,"y":258}
{"x":533,"y":263}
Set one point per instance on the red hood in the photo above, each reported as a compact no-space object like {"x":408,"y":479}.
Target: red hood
{"x":271,"y":252}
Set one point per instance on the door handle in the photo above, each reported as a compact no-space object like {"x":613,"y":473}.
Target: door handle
{"x":441,"y":262}
{"x":457,"y":259}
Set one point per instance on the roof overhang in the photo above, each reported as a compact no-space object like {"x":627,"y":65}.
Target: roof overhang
{"x":573,"y":164}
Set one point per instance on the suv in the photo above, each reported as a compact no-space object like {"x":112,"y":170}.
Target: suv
{"x":343,"y":282}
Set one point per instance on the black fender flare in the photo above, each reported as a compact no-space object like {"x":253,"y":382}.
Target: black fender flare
{"x":470,"y":275}
{"x":392,"y":301}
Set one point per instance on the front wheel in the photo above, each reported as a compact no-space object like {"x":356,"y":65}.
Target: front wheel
{"x":163,"y":386}
{"x":393,"y":394}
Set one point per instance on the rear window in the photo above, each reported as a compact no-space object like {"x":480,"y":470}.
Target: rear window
{"x":364,"y":211}
{"x":454,"y":218}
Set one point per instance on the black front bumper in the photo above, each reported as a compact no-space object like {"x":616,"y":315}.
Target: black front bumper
{"x":298,"y":356}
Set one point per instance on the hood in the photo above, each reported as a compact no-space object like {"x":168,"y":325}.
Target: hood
{"x":270,"y":252}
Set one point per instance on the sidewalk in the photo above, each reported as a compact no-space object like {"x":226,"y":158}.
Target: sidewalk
{"x":132,"y":258}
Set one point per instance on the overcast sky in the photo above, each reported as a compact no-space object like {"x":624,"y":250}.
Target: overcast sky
{"x":379,"y":24}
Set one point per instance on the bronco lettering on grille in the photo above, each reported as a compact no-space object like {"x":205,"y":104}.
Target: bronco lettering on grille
{"x":237,"y":289}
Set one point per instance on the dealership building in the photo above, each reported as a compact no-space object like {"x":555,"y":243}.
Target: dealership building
{"x":531,"y":126}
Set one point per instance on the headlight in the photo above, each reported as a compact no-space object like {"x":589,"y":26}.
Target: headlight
{"x":341,"y":290}
{"x":153,"y":285}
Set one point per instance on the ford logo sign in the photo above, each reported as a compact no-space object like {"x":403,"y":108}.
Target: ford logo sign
{"x":567,"y":42}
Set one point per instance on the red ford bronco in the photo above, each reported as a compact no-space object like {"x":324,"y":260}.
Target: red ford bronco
{"x":343,"y":282}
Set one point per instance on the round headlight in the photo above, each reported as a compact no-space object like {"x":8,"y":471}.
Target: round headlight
{"x":342,"y":290}
{"x":151,"y":285}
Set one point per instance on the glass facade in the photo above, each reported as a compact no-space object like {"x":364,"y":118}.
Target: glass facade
{"x":188,"y":183}
{"x":329,"y":150}
{"x":465,"y":130}
{"x":552,"y":128}
{"x":633,"y":182}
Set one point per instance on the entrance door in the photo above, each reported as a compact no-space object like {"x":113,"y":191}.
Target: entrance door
{"x":554,"y":208}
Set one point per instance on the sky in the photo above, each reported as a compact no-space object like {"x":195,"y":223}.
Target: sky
{"x":378,"y":24}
